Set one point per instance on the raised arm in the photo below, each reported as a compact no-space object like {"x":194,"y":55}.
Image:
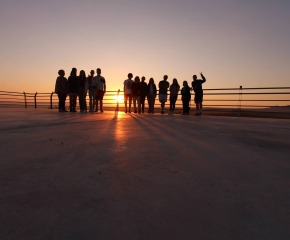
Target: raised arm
{"x":203,"y":78}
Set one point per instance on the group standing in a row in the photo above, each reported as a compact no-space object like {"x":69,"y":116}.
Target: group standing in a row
{"x":135,"y":91}
{"x":78,"y":86}
{"x":138,"y":91}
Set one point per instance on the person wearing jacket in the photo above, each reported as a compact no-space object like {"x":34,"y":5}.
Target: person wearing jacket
{"x":61,"y":89}
{"x":73,"y":87}
{"x":186,"y":96}
{"x":136,"y":91}
{"x":151,"y":95}
{"x":174,"y":89}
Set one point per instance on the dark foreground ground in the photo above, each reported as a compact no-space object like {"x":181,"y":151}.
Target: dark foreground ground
{"x":116,"y":176}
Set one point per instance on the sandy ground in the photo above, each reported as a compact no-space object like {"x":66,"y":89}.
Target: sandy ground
{"x":117,"y":176}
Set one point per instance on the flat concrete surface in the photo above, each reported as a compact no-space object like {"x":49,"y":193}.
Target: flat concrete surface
{"x":120,"y":176}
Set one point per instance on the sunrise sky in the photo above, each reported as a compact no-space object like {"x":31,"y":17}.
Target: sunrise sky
{"x":234,"y":42}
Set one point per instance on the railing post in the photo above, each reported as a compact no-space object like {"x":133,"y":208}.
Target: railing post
{"x":240,"y":100}
{"x":25,"y":102}
{"x":51,"y":100}
{"x":117,"y":108}
{"x":35,"y":100}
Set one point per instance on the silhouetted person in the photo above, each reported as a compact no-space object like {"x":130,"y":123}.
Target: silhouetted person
{"x":151,"y":95}
{"x":82,"y":91}
{"x":136,"y":91}
{"x":61,"y":89}
{"x":174,"y":89}
{"x":143,"y":93}
{"x":73,"y":86}
{"x":163,"y":86}
{"x":101,"y":88}
{"x":198,"y":98}
{"x":92,"y":91}
{"x":186,"y":96}
{"x":128,"y":91}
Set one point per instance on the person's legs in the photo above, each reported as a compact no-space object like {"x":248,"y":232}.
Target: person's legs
{"x":183,"y":106}
{"x":139,"y":104}
{"x":142,"y":102}
{"x":148,"y":101}
{"x":201,"y":99}
{"x":97,"y":103}
{"x":101,"y":95}
{"x":162,"y":99}
{"x":85,"y":101}
{"x":187,"y":106}
{"x":62,"y":99}
{"x":125,"y":101}
{"x":75,"y":102}
{"x":134,"y":103}
{"x":149,"y":104}
{"x":152,"y":104}
{"x":80,"y":99}
{"x":59,"y":102}
{"x":71,"y":102}
{"x":173,"y":102}
{"x":92,"y":99}
{"x":130,"y":102}
{"x":94,"y":94}
{"x":101,"y":105}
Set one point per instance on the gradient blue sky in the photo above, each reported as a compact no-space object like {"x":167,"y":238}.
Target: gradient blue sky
{"x":233,"y":42}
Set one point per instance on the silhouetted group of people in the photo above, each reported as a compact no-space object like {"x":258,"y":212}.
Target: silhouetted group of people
{"x":136,"y":91}
{"x":78,"y":86}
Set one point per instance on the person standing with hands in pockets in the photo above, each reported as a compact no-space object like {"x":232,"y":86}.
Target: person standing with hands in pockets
{"x":198,"y":98}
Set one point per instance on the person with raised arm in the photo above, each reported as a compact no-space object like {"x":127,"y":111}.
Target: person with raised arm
{"x":128,"y":91}
{"x":143,"y":93}
{"x":101,"y":88}
{"x":186,"y":96}
{"x":61,"y":89}
{"x":73,"y":87}
{"x":136,"y":91}
{"x":151,"y":95}
{"x":198,"y":98}
{"x":163,"y":86}
{"x":174,"y":89}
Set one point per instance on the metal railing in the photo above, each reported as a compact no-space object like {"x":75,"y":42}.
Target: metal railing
{"x":231,"y":99}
